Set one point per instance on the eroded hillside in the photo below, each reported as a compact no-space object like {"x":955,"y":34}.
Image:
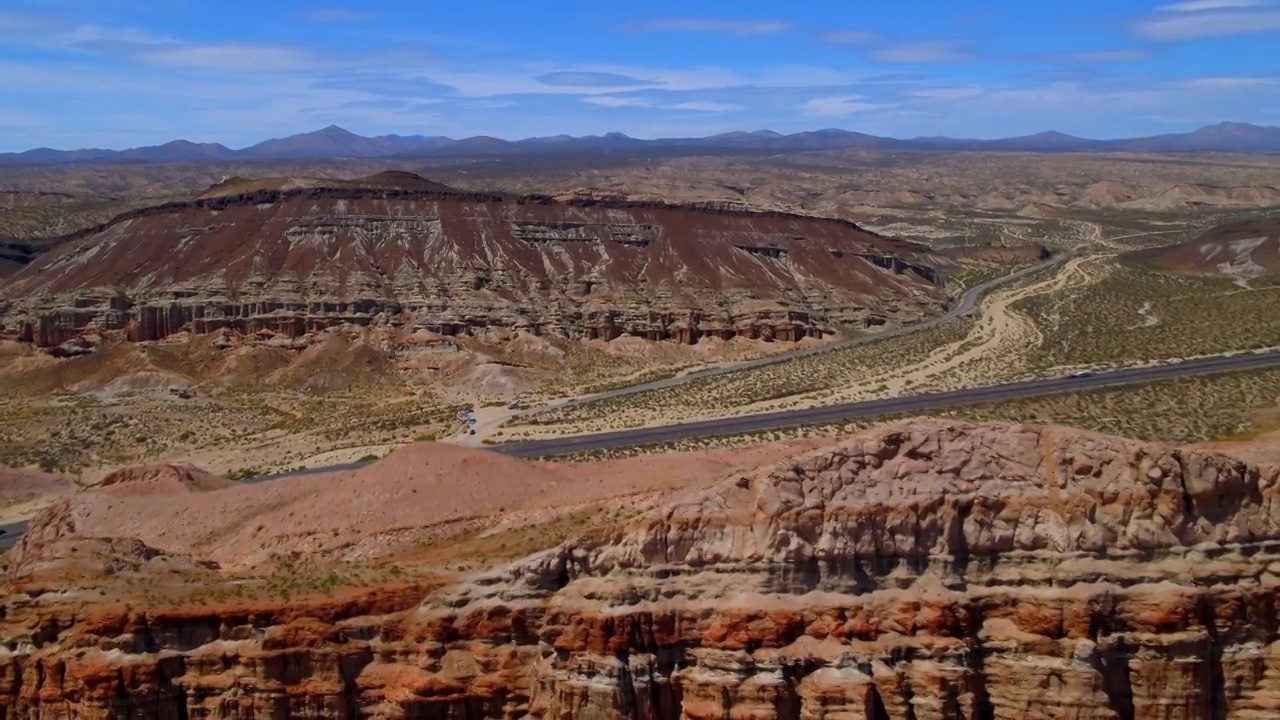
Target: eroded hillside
{"x":293,"y":258}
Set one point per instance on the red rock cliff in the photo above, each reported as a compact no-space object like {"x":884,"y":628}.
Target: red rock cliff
{"x":924,"y":571}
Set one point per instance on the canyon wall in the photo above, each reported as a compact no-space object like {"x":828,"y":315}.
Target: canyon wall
{"x":923,"y":571}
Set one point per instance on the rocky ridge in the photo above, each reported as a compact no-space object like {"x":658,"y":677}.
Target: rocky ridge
{"x":926,"y":570}
{"x":293,"y":257}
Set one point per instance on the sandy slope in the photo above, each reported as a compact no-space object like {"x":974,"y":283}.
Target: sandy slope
{"x":23,"y":493}
{"x":420,"y":494}
{"x":1262,"y":450}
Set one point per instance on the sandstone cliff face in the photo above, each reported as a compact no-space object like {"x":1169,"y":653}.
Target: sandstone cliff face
{"x":923,"y":571}
{"x":301,"y":258}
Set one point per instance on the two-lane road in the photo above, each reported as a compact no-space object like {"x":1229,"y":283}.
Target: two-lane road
{"x":835,"y":413}
{"x":967,"y":301}
{"x":887,"y":406}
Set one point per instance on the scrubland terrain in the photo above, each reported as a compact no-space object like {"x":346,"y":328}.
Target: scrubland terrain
{"x":1136,"y":313}
{"x":1236,"y":407}
{"x":269,"y":411}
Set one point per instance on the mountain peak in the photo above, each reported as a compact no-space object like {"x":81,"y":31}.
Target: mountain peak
{"x":1052,"y":135}
{"x":1232,"y":125}
{"x":335,"y":131}
{"x":1235,"y":129}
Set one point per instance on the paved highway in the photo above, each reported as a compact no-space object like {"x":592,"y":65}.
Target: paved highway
{"x":835,"y":413}
{"x":967,"y":302}
{"x":887,"y":406}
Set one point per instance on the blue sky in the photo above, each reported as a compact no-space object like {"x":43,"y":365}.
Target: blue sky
{"x":124,"y":73}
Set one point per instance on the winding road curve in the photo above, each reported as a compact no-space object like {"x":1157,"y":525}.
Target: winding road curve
{"x":967,"y":302}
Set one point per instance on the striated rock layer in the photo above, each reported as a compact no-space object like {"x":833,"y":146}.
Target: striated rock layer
{"x":296,"y":257}
{"x":920,"y":571}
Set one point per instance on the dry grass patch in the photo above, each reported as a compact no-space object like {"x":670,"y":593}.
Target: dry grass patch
{"x":826,"y":371}
{"x":1138,"y":314}
{"x":1187,"y":410}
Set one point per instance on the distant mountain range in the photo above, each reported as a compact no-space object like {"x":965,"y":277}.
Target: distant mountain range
{"x":334,"y":142}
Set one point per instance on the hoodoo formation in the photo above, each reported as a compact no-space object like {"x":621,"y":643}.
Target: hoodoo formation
{"x":925,"y":570}
{"x":298,"y":256}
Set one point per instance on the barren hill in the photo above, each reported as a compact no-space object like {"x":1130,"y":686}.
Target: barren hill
{"x":1189,"y":195}
{"x":1245,"y":250}
{"x":295,"y":256}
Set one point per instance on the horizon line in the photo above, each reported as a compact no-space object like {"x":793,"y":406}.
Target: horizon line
{"x":624,"y":136}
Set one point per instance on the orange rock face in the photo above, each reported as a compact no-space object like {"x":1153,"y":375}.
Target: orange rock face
{"x":922,"y":571}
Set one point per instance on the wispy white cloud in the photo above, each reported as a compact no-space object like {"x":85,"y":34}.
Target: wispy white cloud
{"x":924,"y":51}
{"x":1103,"y":108}
{"x":1198,"y":19}
{"x":99,"y":34}
{"x":626,"y":101}
{"x":849,"y":37}
{"x":948,"y":93}
{"x":718,"y":26}
{"x":337,"y":15}
{"x":481,"y":83}
{"x":706,"y":107}
{"x":1202,"y":5}
{"x":1229,"y":82}
{"x":921,"y":52}
{"x":18,"y":120}
{"x":891,"y":51}
{"x":233,"y":58}
{"x":614,"y":101}
{"x":1099,"y":57}
{"x":841,"y":106}
{"x":51,"y":32}
{"x":589,"y":79}
{"x":24,"y":22}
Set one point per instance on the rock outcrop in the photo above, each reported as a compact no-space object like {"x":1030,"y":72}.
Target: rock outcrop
{"x":294,"y":257}
{"x":160,"y":479}
{"x":920,"y":571}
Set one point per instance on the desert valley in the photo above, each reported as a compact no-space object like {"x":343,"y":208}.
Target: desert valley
{"x":659,"y":361}
{"x":479,"y":436}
